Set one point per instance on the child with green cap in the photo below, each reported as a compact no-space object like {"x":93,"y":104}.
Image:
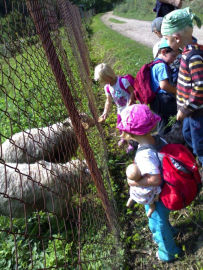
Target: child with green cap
{"x":177,"y":28}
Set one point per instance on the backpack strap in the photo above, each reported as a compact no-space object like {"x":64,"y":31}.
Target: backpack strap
{"x":121,"y":84}
{"x":154,"y":62}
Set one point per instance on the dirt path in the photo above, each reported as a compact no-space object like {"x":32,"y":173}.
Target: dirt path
{"x":139,"y":31}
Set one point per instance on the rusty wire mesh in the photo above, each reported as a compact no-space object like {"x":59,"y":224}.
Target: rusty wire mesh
{"x":56,"y":209}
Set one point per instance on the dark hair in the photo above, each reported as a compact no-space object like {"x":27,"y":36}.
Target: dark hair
{"x":168,"y":49}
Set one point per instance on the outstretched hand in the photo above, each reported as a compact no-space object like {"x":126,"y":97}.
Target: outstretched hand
{"x":102,"y":118}
{"x":180,"y":116}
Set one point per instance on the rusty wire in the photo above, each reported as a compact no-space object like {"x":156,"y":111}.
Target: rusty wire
{"x":55,"y":211}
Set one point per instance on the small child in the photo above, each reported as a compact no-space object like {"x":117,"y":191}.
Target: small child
{"x":156,"y":26}
{"x":177,"y":28}
{"x":143,"y":195}
{"x":137,"y":123}
{"x":164,"y":103}
{"x":113,"y":90}
{"x":156,"y":29}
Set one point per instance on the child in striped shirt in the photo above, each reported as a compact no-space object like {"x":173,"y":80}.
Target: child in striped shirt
{"x":177,"y":28}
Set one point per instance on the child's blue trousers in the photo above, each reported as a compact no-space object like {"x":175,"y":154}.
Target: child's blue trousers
{"x":163,"y":232}
{"x":193,"y":135}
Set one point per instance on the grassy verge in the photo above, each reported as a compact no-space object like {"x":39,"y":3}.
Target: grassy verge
{"x":126,"y":56}
{"x":135,"y":9}
{"x":115,"y":21}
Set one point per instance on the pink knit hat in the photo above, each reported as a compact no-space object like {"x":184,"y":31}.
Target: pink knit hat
{"x":138,"y":119}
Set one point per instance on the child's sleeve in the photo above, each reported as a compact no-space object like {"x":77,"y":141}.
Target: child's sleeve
{"x":107,"y":90}
{"x":196,"y":71}
{"x":161,"y":72}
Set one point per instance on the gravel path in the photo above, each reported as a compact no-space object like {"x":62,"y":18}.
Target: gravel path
{"x":139,"y":31}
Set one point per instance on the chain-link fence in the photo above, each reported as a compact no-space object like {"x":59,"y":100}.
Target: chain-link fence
{"x":56,"y":203}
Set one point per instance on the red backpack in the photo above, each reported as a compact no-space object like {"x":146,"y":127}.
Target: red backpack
{"x":142,"y":83}
{"x":181,"y":178}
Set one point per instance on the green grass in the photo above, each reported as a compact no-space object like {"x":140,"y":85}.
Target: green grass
{"x":142,"y":10}
{"x":29,"y":96}
{"x":127,"y":56}
{"x":115,"y":21}
{"x":122,"y":53}
{"x":136,"y":9}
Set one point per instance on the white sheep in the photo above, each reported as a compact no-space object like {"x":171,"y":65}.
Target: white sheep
{"x":55,"y":143}
{"x":46,"y":186}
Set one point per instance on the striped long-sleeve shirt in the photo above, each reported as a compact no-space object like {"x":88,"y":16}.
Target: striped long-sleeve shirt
{"x":190,"y":80}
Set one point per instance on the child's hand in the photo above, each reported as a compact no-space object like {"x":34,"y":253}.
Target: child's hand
{"x":102,"y":118}
{"x":121,"y":143}
{"x":180,"y":116}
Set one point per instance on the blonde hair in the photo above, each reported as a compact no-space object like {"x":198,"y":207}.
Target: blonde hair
{"x":103,"y":70}
{"x":127,"y":136}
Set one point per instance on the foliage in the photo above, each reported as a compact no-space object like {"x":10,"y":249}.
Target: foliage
{"x":28,"y":252}
{"x":97,"y":5}
{"x":137,"y":9}
{"x":58,"y":253}
{"x":8,"y":6}
{"x":15,"y":26}
{"x":20,"y":96}
{"x":109,"y":256}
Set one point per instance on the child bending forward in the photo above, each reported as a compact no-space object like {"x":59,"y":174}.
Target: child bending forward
{"x":117,"y":89}
{"x":143,"y":195}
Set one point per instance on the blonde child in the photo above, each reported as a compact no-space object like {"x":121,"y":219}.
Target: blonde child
{"x":137,"y":123}
{"x":143,"y":195}
{"x":117,"y":89}
{"x":177,"y":28}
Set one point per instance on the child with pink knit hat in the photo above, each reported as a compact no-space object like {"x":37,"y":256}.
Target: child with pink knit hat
{"x":134,"y":172}
{"x":137,"y":123}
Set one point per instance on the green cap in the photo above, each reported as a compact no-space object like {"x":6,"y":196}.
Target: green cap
{"x":177,"y":20}
{"x":163,"y":44}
